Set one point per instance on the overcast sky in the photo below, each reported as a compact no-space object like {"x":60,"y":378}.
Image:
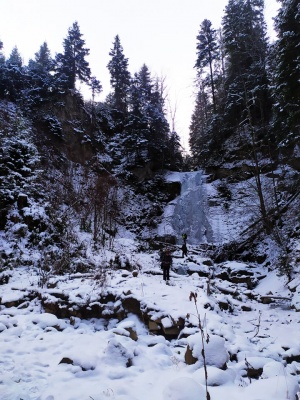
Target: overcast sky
{"x":160,"y":33}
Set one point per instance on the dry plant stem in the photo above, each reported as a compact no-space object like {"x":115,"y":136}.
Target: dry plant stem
{"x":193,"y":296}
{"x":258,"y":325}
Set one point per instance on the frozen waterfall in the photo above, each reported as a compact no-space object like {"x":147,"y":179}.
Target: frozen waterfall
{"x":187,"y":213}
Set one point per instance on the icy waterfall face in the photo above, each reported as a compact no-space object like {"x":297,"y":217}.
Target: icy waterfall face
{"x":187,"y":213}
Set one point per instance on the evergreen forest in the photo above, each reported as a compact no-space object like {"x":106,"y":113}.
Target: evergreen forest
{"x":70,"y":165}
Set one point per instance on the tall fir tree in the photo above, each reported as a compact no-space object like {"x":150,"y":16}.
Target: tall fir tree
{"x":245,"y":41}
{"x":95,"y":86}
{"x":119,"y":76}
{"x":137,"y":126}
{"x":72,"y":65}
{"x":13,"y":79}
{"x":198,"y":138}
{"x":40,"y":71}
{"x":19,"y":159}
{"x":159,"y":128}
{"x":2,"y":71}
{"x":207,"y":53}
{"x":42,"y":61}
{"x":287,"y":71}
{"x":205,"y":124}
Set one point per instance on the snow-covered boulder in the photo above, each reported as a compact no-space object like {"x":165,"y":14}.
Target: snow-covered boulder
{"x":275,"y":388}
{"x":184,"y":388}
{"x":47,"y":320}
{"x":215,"y":376}
{"x":215,"y":351}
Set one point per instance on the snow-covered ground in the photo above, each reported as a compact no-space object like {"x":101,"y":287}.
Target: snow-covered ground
{"x":43,"y":357}
{"x":33,"y":343}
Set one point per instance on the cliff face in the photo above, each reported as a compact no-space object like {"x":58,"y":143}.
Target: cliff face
{"x":66,"y":127}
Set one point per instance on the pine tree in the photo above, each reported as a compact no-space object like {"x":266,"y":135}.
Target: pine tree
{"x":244,"y":32}
{"x":40,"y":71}
{"x":18,"y":162}
{"x":287,"y":73}
{"x":205,"y":129}
{"x":174,"y":152}
{"x":12,"y":76}
{"x":207,"y":53}
{"x":15,"y":59}
{"x":145,"y":84}
{"x":147,"y":129}
{"x":119,"y":76}
{"x":158,"y":127}
{"x":95,"y":86}
{"x":72,"y":65}
{"x":2,"y":71}
{"x":137,"y":121}
{"x":198,"y":138}
{"x":42,"y":61}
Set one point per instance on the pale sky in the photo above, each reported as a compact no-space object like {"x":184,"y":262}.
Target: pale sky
{"x":160,"y":33}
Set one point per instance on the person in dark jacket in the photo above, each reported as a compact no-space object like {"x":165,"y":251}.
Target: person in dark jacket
{"x":166,"y":263}
{"x":184,"y":250}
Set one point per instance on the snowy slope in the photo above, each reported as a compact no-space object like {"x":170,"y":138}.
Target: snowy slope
{"x":35,"y":346}
{"x":253,"y":349}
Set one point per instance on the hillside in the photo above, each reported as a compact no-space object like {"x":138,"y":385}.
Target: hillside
{"x":116,"y":333}
{"x":84,"y":310}
{"x":99,"y":202}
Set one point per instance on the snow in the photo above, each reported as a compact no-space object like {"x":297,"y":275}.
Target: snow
{"x":34,"y":344}
{"x":44,"y":357}
{"x":184,"y":388}
{"x":215,"y":351}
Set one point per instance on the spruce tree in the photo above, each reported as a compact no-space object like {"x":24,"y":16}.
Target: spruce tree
{"x":244,"y":33}
{"x":119,"y":76}
{"x":40,"y":71}
{"x":42,"y":61}
{"x":18,"y":162}
{"x":72,"y":65}
{"x":15,"y":59}
{"x":175,"y":158}
{"x":287,"y":73}
{"x":207,"y":53}
{"x":145,"y":84}
{"x":198,"y":138}
{"x":159,"y":128}
{"x":2,"y":71}
{"x":95,"y":86}
{"x":137,"y":121}
{"x":12,"y":76}
{"x":147,"y":129}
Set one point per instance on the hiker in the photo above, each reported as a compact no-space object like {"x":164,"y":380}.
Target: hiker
{"x":184,"y":250}
{"x":161,"y":256}
{"x":184,"y":237}
{"x":166,"y":262}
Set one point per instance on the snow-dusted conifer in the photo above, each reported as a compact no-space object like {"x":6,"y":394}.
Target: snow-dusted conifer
{"x":207,"y":53}
{"x":136,"y":126}
{"x":119,"y":75}
{"x":95,"y":86}
{"x":18,"y":161}
{"x":72,"y":65}
{"x":198,"y":137}
{"x":287,"y":79}
{"x":244,"y":33}
{"x":40,"y":72}
{"x":13,"y":79}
